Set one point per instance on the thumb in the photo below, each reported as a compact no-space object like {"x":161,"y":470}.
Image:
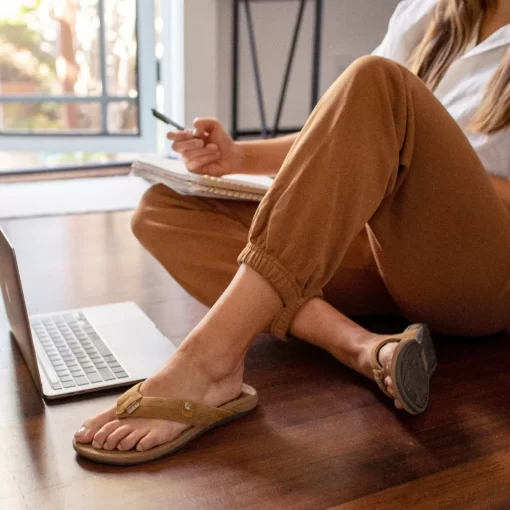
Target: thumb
{"x":204,"y":125}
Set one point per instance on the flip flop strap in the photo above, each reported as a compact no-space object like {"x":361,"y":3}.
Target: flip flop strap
{"x":377,"y":369}
{"x":132,"y":404}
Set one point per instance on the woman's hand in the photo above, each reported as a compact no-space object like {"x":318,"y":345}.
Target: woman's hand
{"x":207,"y":149}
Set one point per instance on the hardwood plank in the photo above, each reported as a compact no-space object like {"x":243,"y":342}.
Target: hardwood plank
{"x":479,"y":484}
{"x":322,"y":437}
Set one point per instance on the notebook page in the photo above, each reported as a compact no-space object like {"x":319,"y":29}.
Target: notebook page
{"x":158,"y":167}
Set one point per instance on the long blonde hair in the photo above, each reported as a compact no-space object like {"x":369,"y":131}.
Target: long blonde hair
{"x":446,"y":38}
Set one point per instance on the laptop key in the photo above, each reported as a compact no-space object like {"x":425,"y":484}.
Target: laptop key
{"x":118,"y":370}
{"x":90,"y":370}
{"x":56,"y":386}
{"x":94,"y":377}
{"x":100,"y":345}
{"x":120,"y":375}
{"x":81,"y":380}
{"x":106,"y":374}
{"x":68,"y":384}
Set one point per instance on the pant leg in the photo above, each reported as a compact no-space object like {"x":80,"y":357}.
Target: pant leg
{"x":198,"y":240}
{"x":379,"y":149}
{"x":356,"y":288}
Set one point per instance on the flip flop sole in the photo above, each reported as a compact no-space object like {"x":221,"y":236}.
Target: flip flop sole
{"x":242,"y":406}
{"x":414,"y":362}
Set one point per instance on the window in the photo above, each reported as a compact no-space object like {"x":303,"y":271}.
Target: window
{"x":77,"y":76}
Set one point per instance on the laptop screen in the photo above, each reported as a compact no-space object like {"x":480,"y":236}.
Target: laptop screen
{"x":15,"y":305}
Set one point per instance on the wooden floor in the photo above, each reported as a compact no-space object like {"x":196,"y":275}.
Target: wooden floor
{"x":322,"y":437}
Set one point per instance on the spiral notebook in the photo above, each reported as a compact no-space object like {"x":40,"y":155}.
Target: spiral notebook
{"x":173,"y":173}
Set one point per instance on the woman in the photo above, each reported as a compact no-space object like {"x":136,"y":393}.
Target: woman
{"x":394,"y":198}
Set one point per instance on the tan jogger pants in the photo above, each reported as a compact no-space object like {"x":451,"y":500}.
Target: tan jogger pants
{"x":382,"y":207}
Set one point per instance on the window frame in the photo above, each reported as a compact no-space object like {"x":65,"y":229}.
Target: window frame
{"x":143,"y":141}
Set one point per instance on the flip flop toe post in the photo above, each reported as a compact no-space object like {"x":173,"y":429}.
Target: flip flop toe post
{"x":201,"y":418}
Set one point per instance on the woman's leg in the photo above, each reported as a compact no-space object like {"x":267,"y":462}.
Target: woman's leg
{"x":379,"y":149}
{"x":198,"y":240}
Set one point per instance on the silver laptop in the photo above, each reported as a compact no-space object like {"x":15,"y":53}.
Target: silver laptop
{"x":79,"y":351}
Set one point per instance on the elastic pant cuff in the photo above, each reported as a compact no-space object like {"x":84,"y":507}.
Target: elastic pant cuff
{"x":281,"y":323}
{"x":270,"y":268}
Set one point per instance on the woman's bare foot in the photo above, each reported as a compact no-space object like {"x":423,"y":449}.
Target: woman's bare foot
{"x":361,"y":362}
{"x":182,"y":377}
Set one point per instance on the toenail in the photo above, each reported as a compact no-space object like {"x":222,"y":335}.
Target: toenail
{"x":95,"y":444}
{"x":139,"y":448}
{"x":82,"y":431}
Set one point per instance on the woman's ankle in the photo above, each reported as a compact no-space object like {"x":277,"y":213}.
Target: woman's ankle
{"x":211,"y":357}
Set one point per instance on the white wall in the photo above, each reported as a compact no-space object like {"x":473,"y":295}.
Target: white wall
{"x":351,"y":28}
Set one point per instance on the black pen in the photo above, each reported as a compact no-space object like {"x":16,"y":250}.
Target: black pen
{"x":166,"y":120}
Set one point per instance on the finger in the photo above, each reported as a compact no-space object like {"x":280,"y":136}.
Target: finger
{"x":188,"y":156}
{"x":187,"y":145}
{"x":204,"y":125}
{"x":117,"y":435}
{"x":196,"y":164}
{"x":180,"y":135}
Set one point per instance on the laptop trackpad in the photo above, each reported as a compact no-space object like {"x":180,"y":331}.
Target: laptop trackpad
{"x":138,"y":346}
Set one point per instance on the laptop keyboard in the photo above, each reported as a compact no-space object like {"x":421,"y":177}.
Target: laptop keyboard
{"x":76,"y":351}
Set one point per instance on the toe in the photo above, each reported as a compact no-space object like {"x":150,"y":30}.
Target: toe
{"x":93,"y":425}
{"x":104,"y":432}
{"x":149,"y":441}
{"x":398,"y":405}
{"x":116,"y":436}
{"x":129,"y":442}
{"x":389,"y":386}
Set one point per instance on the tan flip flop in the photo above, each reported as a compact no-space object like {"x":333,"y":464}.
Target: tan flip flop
{"x":201,"y":418}
{"x":413,"y":363}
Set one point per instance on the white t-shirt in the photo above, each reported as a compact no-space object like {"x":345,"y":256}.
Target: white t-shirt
{"x":462,"y":88}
